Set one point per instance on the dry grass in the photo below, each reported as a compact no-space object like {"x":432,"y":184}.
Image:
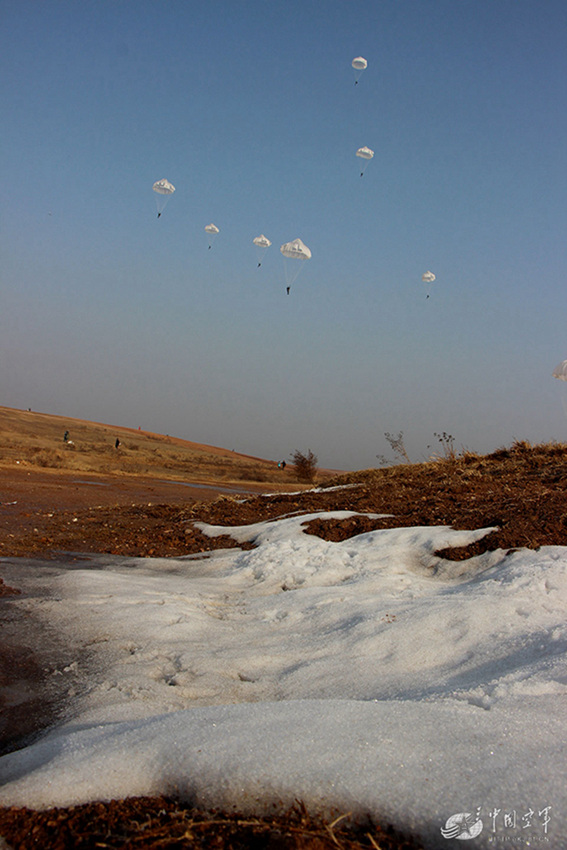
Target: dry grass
{"x":36,"y":441}
{"x":159,"y":822}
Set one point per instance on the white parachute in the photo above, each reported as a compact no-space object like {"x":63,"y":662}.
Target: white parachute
{"x":213,"y":232}
{"x":163,"y":190}
{"x":366,"y":154}
{"x":428,"y":278}
{"x":560,"y":371}
{"x":262,"y":244}
{"x":293,"y":252}
{"x":359,"y":64}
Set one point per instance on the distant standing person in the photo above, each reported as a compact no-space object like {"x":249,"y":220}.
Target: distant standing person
{"x":65,"y":436}
{"x":117,"y":443}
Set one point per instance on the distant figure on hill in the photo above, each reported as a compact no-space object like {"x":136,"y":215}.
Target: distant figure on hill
{"x":117,"y":443}
{"x":65,"y":436}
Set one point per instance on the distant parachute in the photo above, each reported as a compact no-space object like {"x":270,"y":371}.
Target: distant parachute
{"x":262,"y":243}
{"x":367,"y":154}
{"x":296,"y":250}
{"x":164,"y":190}
{"x":212,"y":230}
{"x":359,"y":64}
{"x":292,"y":252}
{"x":560,"y":371}
{"x":428,"y":278}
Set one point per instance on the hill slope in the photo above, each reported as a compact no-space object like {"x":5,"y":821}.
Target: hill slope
{"x":44,"y":441}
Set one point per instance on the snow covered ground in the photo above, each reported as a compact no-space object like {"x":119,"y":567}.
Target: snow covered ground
{"x":364,"y":676}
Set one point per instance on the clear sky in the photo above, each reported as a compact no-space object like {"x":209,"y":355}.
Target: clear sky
{"x":250,"y":110}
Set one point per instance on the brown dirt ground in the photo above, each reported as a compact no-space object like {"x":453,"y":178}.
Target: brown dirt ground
{"x":158,"y":822}
{"x":521,"y":490}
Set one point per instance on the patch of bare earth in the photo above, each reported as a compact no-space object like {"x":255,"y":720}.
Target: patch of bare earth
{"x":159,"y":822}
{"x":522,"y":491}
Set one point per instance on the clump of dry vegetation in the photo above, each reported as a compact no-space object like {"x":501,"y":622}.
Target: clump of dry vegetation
{"x":305,"y":466}
{"x":160,"y":822}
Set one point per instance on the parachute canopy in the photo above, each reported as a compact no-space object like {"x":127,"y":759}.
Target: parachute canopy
{"x":428,"y":277}
{"x":164,"y":187}
{"x":262,"y":244}
{"x":560,"y":371}
{"x":296,"y":250}
{"x":212,"y":231}
{"x":359,"y":64}
{"x":366,"y":154}
{"x":262,"y":241}
{"x":164,"y":190}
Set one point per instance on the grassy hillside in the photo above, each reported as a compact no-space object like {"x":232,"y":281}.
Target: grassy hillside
{"x":36,"y":440}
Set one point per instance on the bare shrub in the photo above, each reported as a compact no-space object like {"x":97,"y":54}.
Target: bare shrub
{"x":398,"y":447}
{"x":305,"y":466}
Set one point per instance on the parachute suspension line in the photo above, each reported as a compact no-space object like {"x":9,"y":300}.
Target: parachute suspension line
{"x":290,"y":273}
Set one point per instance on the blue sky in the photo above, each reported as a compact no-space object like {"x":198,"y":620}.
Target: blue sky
{"x":250,"y":110}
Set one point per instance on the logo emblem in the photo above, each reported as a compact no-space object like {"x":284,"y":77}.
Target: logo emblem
{"x":462,"y":826}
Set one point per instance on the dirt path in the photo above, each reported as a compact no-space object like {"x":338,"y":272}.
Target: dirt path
{"x":22,"y":490}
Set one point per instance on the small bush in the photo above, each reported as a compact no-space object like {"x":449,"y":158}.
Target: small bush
{"x":305,"y":466}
